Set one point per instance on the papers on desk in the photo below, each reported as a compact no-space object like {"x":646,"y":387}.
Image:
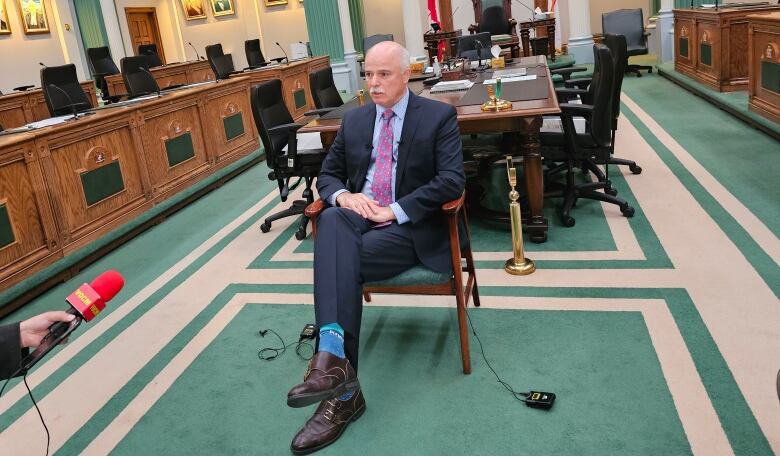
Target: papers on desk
{"x":510,"y":73}
{"x":530,"y":77}
{"x":49,"y":122}
{"x":451,"y":86}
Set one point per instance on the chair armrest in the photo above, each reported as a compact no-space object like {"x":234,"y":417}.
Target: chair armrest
{"x":566,"y":72}
{"x":318,"y":112}
{"x":581,"y":83}
{"x":454,"y":206}
{"x":314,"y":209}
{"x":278,"y":59}
{"x":285,"y":128}
{"x":568,"y":93}
{"x":574,"y":109}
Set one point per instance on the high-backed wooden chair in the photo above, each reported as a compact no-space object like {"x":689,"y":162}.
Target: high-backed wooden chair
{"x":423,"y":281}
{"x":495,"y":17}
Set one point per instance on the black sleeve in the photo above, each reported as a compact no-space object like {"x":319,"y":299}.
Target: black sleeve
{"x":11,"y":352}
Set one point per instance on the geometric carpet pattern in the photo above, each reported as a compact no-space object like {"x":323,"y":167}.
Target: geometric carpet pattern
{"x":658,"y":333}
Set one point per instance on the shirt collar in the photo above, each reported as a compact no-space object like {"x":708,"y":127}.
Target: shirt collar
{"x":399,"y":108}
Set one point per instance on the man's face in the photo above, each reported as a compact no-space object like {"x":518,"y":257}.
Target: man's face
{"x":385,"y":80}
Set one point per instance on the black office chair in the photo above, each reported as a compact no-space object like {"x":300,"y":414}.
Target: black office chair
{"x":368,"y":43}
{"x":631,"y":24}
{"x":221,"y":63}
{"x":594,"y":144}
{"x":618,"y":49}
{"x":324,"y":93}
{"x":254,"y":56}
{"x":474,"y":47}
{"x":277,"y":130}
{"x":150,"y":51}
{"x":101,"y":65}
{"x":138,"y":80}
{"x":62,"y":92}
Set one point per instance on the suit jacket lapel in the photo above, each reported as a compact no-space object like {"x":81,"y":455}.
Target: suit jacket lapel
{"x":407,"y":134}
{"x":366,"y":123}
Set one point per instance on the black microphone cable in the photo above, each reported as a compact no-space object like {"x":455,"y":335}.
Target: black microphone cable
{"x":271,"y":353}
{"x":29,"y":392}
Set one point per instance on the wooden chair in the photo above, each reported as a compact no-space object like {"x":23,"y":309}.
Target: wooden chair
{"x":495,"y":18}
{"x":423,"y":281}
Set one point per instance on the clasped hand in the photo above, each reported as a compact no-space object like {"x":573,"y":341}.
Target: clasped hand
{"x":366,"y":207}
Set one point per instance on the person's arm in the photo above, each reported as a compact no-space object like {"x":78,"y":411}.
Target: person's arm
{"x":450,"y":180}
{"x":333,"y":175}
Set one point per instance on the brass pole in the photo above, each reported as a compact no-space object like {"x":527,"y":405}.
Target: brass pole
{"x":518,"y":264}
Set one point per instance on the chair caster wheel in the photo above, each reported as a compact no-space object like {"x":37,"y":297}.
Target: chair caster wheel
{"x":265,"y":227}
{"x":635,"y":169}
{"x":627,"y":211}
{"x":568,"y":221}
{"x":650,"y":71}
{"x":300,"y":234}
{"x":611,"y":191}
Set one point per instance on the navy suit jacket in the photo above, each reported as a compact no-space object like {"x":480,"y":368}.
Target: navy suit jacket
{"x":11,"y":351}
{"x":429,"y":171}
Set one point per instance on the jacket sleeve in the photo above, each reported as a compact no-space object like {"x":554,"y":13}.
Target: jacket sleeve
{"x":450,"y":180}
{"x":11,"y":352}
{"x":333,"y":174}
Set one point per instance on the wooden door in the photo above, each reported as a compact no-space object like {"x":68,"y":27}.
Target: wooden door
{"x":142,"y":24}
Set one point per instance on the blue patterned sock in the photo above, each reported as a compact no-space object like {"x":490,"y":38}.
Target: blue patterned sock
{"x":332,"y":339}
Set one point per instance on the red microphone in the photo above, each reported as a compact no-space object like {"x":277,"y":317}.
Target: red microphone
{"x":85,"y":303}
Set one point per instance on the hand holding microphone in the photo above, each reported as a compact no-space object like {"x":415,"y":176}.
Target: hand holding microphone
{"x":86,"y":303}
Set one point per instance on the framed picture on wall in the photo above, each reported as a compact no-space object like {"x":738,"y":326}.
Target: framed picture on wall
{"x":33,"y":14}
{"x":222,"y":7}
{"x":193,"y":9}
{"x":275,"y":2}
{"x":5,"y":25}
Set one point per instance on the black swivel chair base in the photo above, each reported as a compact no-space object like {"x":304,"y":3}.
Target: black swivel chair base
{"x":635,"y":69}
{"x":297,"y":208}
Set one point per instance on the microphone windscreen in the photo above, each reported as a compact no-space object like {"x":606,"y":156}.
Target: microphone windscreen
{"x":108,"y":284}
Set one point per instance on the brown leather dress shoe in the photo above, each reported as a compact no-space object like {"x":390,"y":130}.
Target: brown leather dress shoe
{"x":328,"y":376}
{"x":328,"y":423}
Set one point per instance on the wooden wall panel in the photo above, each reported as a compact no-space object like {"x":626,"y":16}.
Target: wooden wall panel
{"x":14,"y":111}
{"x":28,"y":213}
{"x":764,"y":34}
{"x":167,"y":123}
{"x":227,"y":104}
{"x":66,"y":158}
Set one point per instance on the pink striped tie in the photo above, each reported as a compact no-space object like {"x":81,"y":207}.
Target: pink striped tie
{"x":381,"y":185}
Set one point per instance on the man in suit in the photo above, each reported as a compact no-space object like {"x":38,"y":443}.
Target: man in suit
{"x":392,"y":165}
{"x":16,"y":338}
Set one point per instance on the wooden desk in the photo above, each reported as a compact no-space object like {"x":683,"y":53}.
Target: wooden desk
{"x":520,"y":126}
{"x":525,"y":35}
{"x":20,"y":108}
{"x":166,"y":75}
{"x":711,"y":45}
{"x":764,"y":64}
{"x":62,"y":187}
{"x":295,"y":81}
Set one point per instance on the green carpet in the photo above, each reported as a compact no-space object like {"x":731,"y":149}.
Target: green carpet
{"x":229,"y":402}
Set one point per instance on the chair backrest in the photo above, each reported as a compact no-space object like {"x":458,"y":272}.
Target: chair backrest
{"x":269,"y":110}
{"x":370,"y":41}
{"x":494,"y":21}
{"x":100,"y":61}
{"x":626,"y":22}
{"x":469,"y":49}
{"x":254,"y":56}
{"x":138,"y":81}
{"x":221,"y":63}
{"x":602,"y":88}
{"x":65,"y":79}
{"x":617,"y":46}
{"x":323,"y":90}
{"x":150,"y":51}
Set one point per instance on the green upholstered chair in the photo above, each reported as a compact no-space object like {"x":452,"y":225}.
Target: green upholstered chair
{"x":423,"y":281}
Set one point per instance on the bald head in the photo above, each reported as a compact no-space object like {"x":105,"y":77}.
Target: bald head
{"x":387,"y":72}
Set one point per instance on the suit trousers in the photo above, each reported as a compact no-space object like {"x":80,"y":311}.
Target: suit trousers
{"x":348,"y":252}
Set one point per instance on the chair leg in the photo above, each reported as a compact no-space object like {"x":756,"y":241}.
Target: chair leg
{"x":464,"y":333}
{"x":632,"y":166}
{"x":367,"y":296}
{"x":297,"y":208}
{"x":470,"y":269}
